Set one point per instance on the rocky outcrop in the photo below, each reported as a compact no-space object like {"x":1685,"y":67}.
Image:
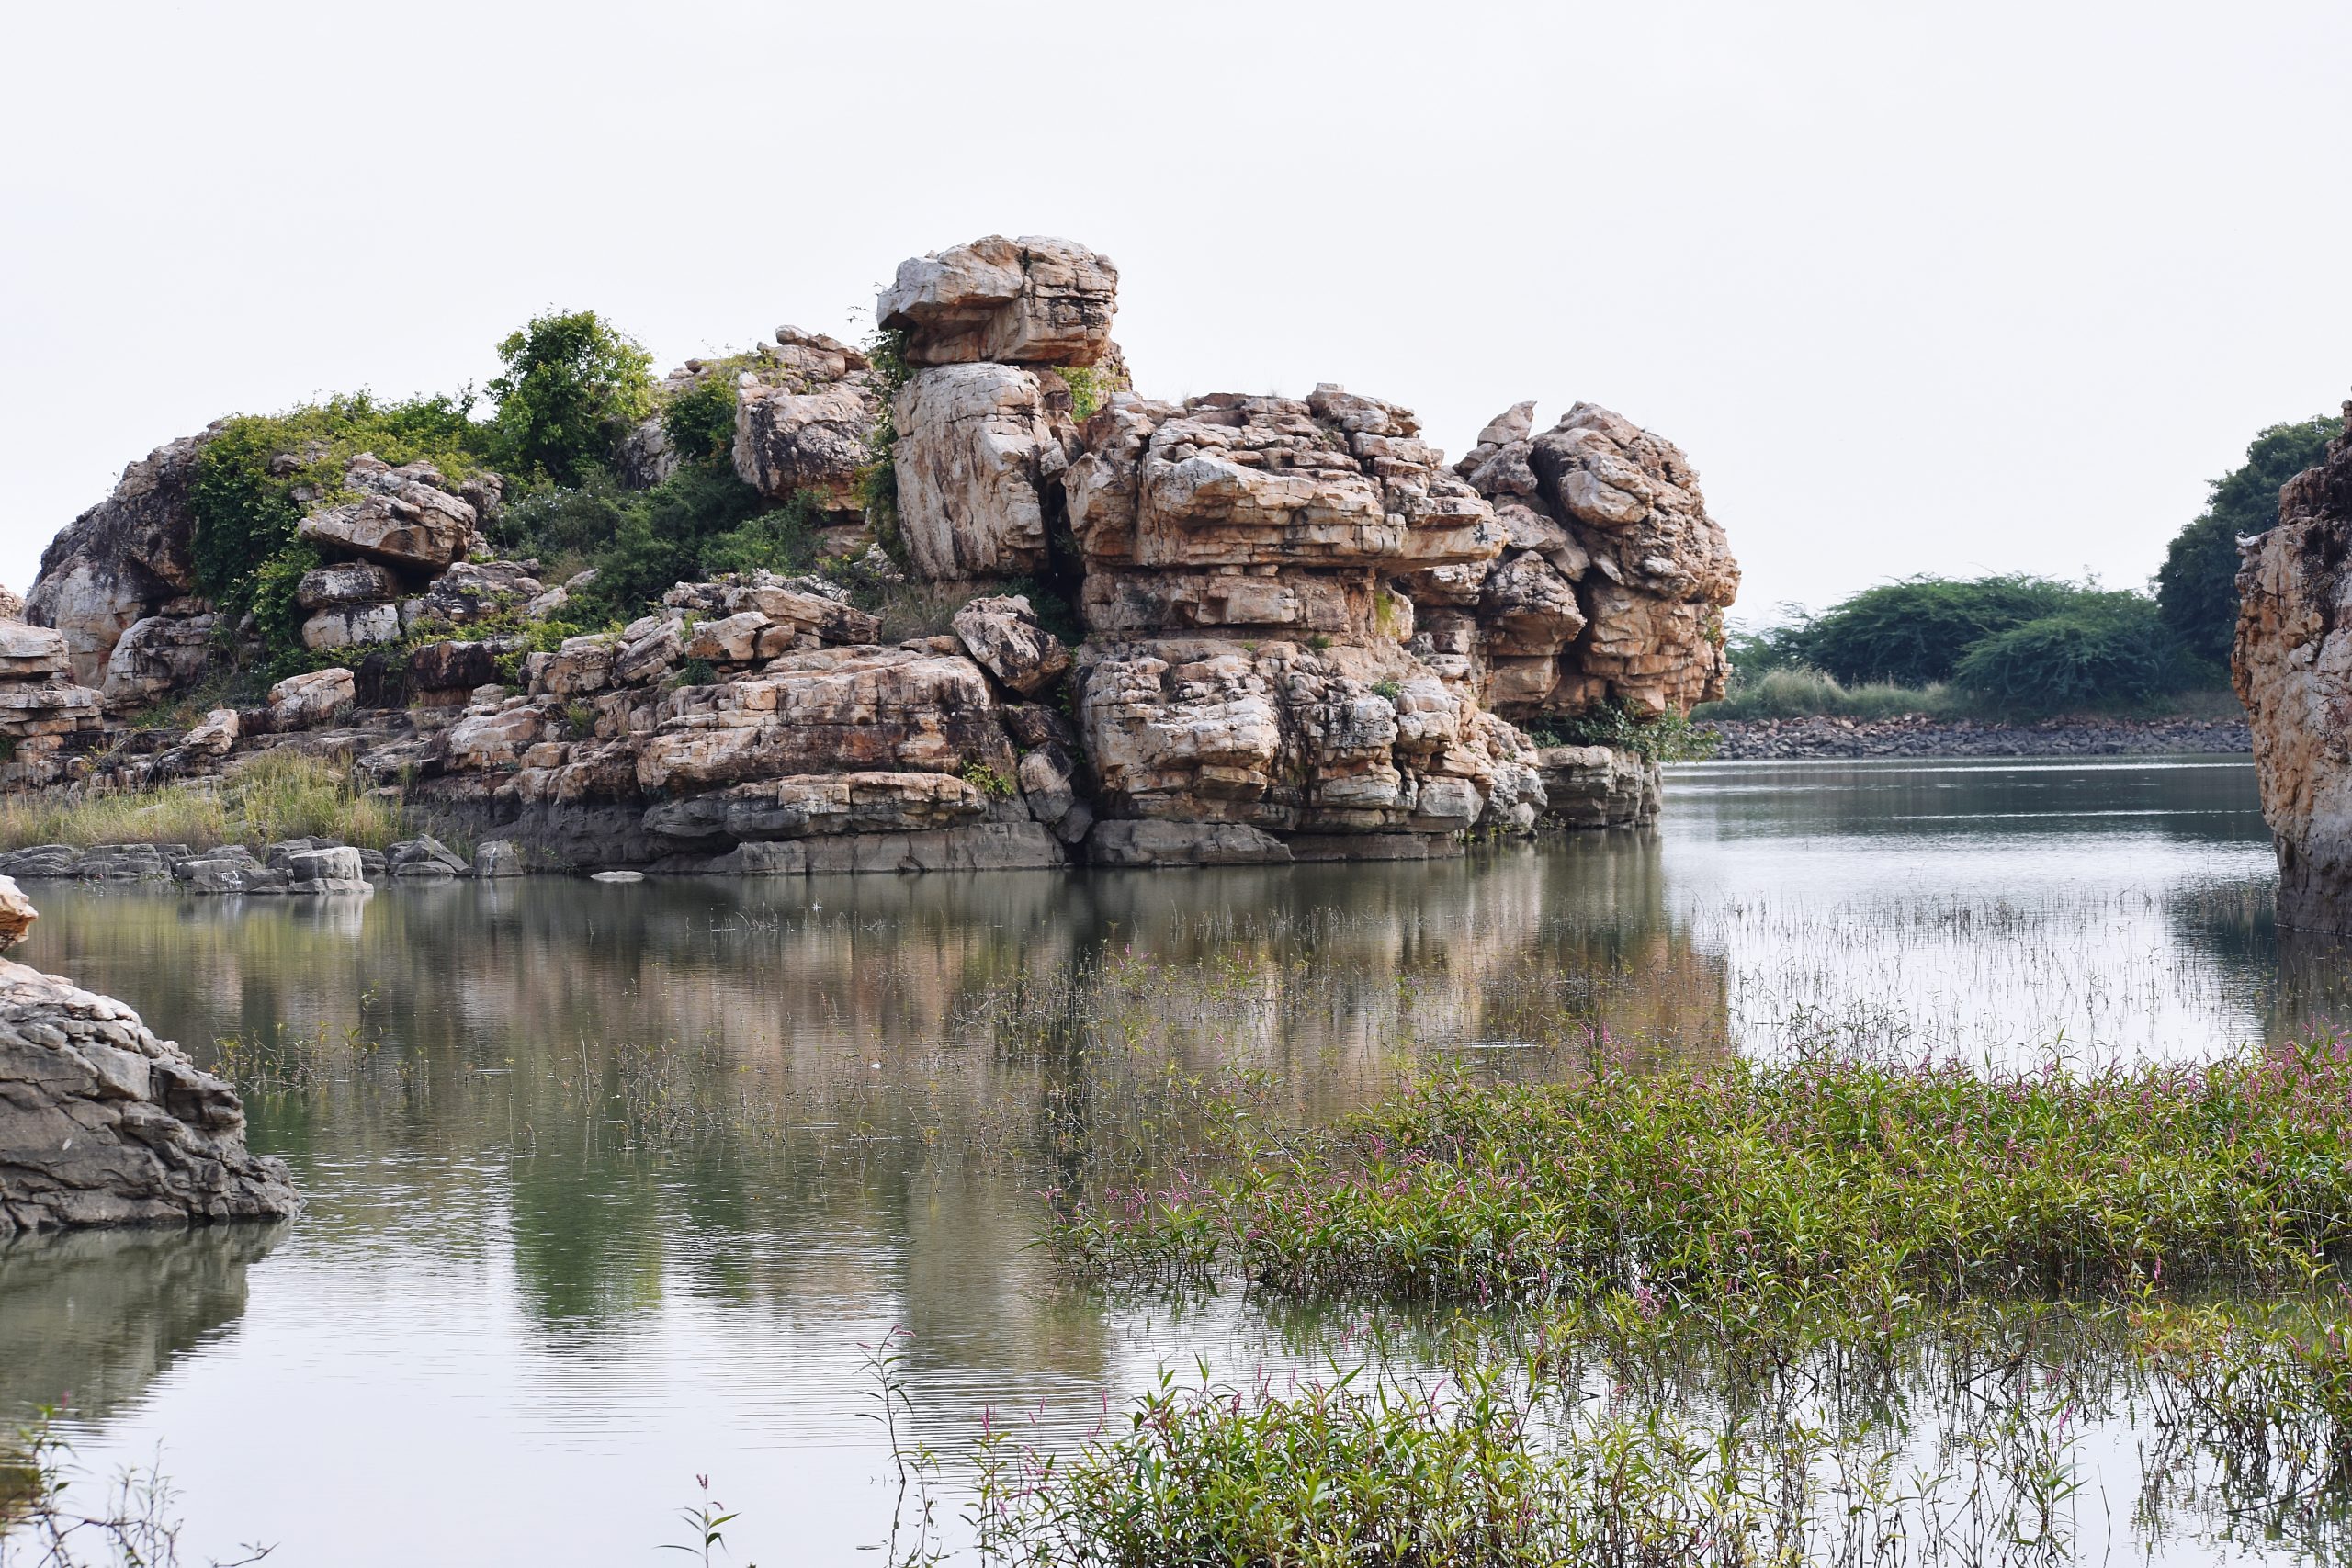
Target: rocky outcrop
{"x":2292,"y":667}
{"x":42,"y":709}
{"x":1611,"y":585}
{"x":1306,"y":635}
{"x":408,"y":517}
{"x":1027,"y":301}
{"x":121,"y":561}
{"x":803,"y":417}
{"x":102,"y":1123}
{"x":1249,"y":667}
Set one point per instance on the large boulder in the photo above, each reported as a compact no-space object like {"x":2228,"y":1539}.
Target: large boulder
{"x":120,"y":560}
{"x":311,"y":699}
{"x":160,"y":654}
{"x":1031,"y":301}
{"x":1613,"y":583}
{"x":1001,"y":632}
{"x":787,"y":442}
{"x":975,"y":451}
{"x":102,"y":1123}
{"x":409,"y":517}
{"x":2292,"y":669}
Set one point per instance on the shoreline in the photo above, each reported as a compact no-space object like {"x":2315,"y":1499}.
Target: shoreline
{"x":1917,"y":735}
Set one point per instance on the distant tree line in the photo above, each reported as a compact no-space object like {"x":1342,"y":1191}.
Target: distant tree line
{"x":2027,"y":645}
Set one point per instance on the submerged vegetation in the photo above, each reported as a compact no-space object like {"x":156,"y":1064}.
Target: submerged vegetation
{"x":1845,"y":1180}
{"x":272,"y":797}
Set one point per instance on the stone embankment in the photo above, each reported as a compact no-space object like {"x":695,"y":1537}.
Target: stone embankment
{"x":102,"y":1123}
{"x":1915,"y":735}
{"x":1306,"y":635}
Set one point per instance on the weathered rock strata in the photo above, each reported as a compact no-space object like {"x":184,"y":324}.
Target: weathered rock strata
{"x":102,"y":1123}
{"x":1305,"y":630}
{"x":2292,"y":668}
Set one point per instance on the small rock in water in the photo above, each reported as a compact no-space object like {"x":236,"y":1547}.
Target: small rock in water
{"x":617,"y":876}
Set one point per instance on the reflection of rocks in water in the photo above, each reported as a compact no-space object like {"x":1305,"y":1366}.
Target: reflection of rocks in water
{"x":89,"y":1319}
{"x":669,"y":1086}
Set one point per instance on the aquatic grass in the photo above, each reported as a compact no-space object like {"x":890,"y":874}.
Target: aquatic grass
{"x":277,"y":795}
{"x":1832,"y":1177}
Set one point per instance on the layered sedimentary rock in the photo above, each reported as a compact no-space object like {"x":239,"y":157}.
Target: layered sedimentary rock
{"x":1033,"y":300}
{"x":1249,"y":668}
{"x":1304,"y":633}
{"x":41,"y":708}
{"x":102,"y":1123}
{"x":1613,"y":583}
{"x":2292,"y":668}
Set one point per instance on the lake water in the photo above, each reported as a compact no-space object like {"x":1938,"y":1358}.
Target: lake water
{"x":608,"y":1184}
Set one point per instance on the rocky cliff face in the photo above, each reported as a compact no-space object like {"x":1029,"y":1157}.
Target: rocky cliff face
{"x":1306,"y":634}
{"x":2292,"y":669}
{"x":102,"y":1123}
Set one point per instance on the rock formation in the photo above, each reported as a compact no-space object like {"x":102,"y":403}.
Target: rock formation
{"x":2292,"y":668}
{"x":1613,"y":583}
{"x":41,"y":708}
{"x":1304,"y":633}
{"x":102,"y":1123}
{"x":121,"y":561}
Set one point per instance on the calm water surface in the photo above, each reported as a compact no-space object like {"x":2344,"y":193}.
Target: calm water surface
{"x":608,"y":1184}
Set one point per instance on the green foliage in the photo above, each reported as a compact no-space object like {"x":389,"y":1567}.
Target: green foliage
{"x":1089,"y":388}
{"x":1794,"y":691}
{"x":700,"y":421}
{"x":699,"y":522}
{"x":877,"y":482}
{"x":276,"y":614}
{"x":2110,"y":648}
{"x":255,"y":479}
{"x":2197,"y":585}
{"x":985,"y":778}
{"x":1388,"y":689}
{"x":1914,"y":632}
{"x":572,"y":387}
{"x":1828,"y":1178}
{"x":1669,"y":737}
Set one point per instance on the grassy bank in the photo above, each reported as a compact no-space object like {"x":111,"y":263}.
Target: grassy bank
{"x":275,"y":796}
{"x":1839,"y":1180}
{"x":1796,"y":692}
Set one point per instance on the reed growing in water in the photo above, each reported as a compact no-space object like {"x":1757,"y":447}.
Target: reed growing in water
{"x":275,"y":796}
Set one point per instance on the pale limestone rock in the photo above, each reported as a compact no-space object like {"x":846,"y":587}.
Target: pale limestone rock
{"x":578,"y":667}
{"x":1001,"y":632}
{"x":845,"y":709}
{"x":216,"y":735}
{"x":309,"y":700}
{"x":1152,"y":844}
{"x":346,"y":584}
{"x":122,"y":559}
{"x":31,"y":653}
{"x":1030,"y":300}
{"x":356,"y":627}
{"x":811,"y":610}
{"x":159,"y":655}
{"x":1616,"y":577}
{"x":406,"y":517}
{"x":805,"y":805}
{"x":975,"y":450}
{"x":16,"y":914}
{"x":473,"y":590}
{"x":496,"y":858}
{"x":787,"y":441}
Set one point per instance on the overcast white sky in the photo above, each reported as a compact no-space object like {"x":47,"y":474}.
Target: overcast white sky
{"x":1952,"y":288}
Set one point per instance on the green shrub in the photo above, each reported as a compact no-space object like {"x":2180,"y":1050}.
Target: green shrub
{"x":1914,"y":632}
{"x":1796,"y":692}
{"x":2098,"y":654}
{"x":1669,"y":737}
{"x":572,"y":387}
{"x":2196,"y":586}
{"x":700,"y":421}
